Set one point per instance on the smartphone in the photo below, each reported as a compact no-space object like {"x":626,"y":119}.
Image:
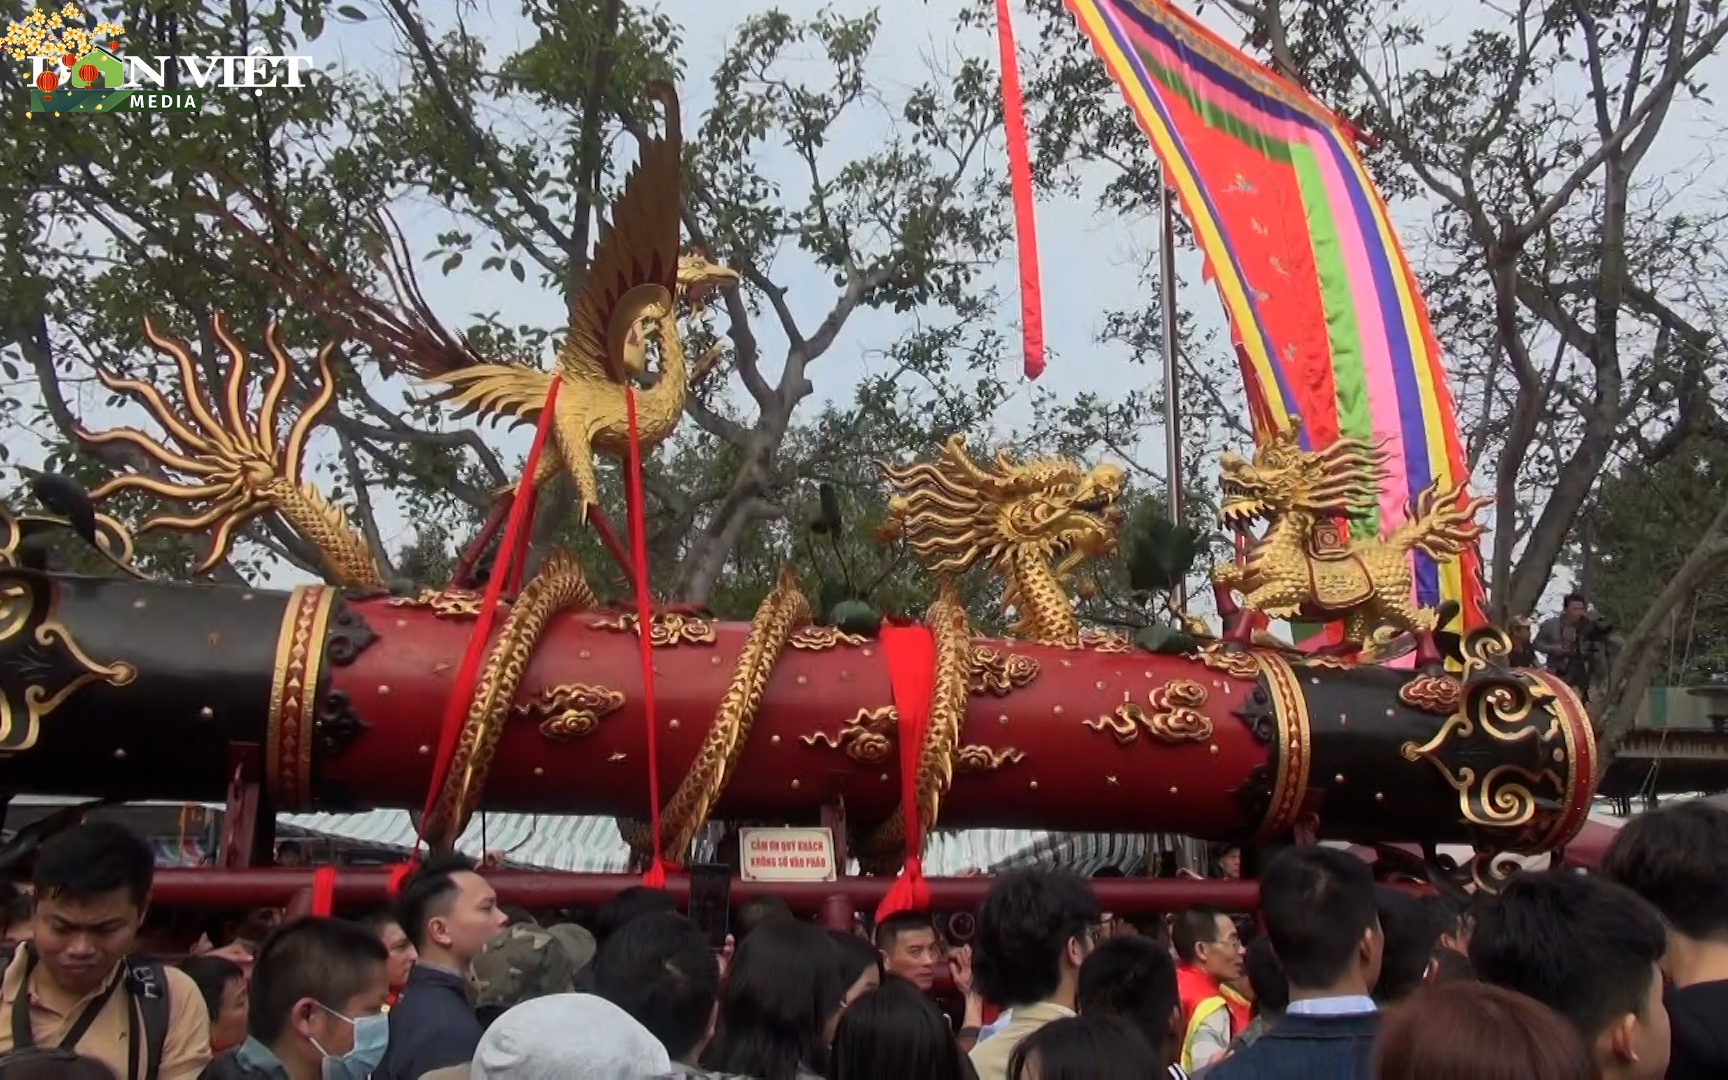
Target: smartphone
{"x":711,"y":901}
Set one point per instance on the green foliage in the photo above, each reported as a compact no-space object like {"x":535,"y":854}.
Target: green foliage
{"x":428,"y":560}
{"x":856,"y":617}
{"x":1160,"y":638}
{"x":1644,"y":525}
{"x":105,"y":222}
{"x":1159,"y":553}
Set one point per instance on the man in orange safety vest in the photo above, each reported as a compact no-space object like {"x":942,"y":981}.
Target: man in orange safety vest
{"x":1209,"y":956}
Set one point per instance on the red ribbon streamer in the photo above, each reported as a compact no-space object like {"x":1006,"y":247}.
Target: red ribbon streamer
{"x":911,"y":655}
{"x":511,"y":551}
{"x":655,"y":877}
{"x":324,"y":891}
{"x":519,"y":556}
{"x":1020,"y":183}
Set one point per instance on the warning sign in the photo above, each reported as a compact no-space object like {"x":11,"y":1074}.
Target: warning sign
{"x":787,"y":854}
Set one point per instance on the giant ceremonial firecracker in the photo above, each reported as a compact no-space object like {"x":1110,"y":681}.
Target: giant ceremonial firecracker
{"x":344,"y":695}
{"x":126,"y":687}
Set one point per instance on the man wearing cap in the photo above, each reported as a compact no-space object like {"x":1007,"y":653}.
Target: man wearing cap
{"x":525,"y":963}
{"x":1523,"y":654}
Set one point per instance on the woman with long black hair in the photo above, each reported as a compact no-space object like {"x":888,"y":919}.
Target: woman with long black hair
{"x":896,"y":1032}
{"x":779,"y":1006}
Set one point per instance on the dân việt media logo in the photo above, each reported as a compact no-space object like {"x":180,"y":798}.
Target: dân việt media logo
{"x":77,"y":66}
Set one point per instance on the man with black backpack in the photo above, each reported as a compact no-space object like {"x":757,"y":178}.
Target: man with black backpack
{"x":76,"y":986}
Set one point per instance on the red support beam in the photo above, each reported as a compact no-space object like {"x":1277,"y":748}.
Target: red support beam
{"x":206,"y":888}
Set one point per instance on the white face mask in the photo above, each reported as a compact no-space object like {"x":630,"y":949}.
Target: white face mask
{"x":371,"y":1039}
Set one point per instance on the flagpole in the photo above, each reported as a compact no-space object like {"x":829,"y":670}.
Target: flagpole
{"x":1172,"y":417}
{"x":1172,"y":402}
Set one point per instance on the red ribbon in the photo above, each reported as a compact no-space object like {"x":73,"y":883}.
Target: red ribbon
{"x":324,"y":891}
{"x":511,"y":553}
{"x":655,"y":877}
{"x":518,"y":562}
{"x":911,"y":655}
{"x":1020,"y":183}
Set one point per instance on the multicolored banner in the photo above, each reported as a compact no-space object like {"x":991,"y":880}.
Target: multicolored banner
{"x":1327,"y":318}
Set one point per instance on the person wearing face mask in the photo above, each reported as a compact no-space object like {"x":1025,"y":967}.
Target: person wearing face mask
{"x":317,"y":1006}
{"x":450,"y":914}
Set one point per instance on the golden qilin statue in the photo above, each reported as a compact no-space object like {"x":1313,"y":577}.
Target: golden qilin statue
{"x":1307,"y":566}
{"x":628,"y":300}
{"x":1015,"y":519}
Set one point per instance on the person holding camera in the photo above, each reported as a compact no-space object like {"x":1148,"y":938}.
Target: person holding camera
{"x":1575,"y":643}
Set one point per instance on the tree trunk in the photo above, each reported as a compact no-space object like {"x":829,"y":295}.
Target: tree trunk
{"x":1633,"y":667}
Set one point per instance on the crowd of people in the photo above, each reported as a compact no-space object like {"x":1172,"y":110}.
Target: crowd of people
{"x":1617,"y":975}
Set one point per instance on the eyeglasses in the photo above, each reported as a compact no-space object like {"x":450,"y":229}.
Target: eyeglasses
{"x":1232,"y":943}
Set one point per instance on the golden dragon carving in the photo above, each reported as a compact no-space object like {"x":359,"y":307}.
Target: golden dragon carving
{"x":1015,"y":519}
{"x":235,"y":463}
{"x":558,"y":586}
{"x":628,"y":300}
{"x":1307,"y":566}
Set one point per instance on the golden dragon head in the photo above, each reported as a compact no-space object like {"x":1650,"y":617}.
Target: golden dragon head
{"x":1282,"y":478}
{"x":957,"y":515}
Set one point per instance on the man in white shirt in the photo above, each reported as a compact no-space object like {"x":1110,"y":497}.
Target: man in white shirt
{"x":1034,"y":929}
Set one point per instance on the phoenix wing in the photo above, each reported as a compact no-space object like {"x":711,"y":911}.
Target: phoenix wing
{"x":636,"y":260}
{"x":496,"y":391}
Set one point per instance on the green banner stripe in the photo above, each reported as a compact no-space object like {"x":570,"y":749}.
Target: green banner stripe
{"x":115,"y":101}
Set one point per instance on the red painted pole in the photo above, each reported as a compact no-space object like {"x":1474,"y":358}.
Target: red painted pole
{"x":204,"y":888}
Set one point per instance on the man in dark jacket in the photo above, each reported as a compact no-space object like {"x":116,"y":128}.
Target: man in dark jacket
{"x":451,"y":914}
{"x":1677,"y":859}
{"x":1318,"y":905}
{"x":1576,"y":643}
